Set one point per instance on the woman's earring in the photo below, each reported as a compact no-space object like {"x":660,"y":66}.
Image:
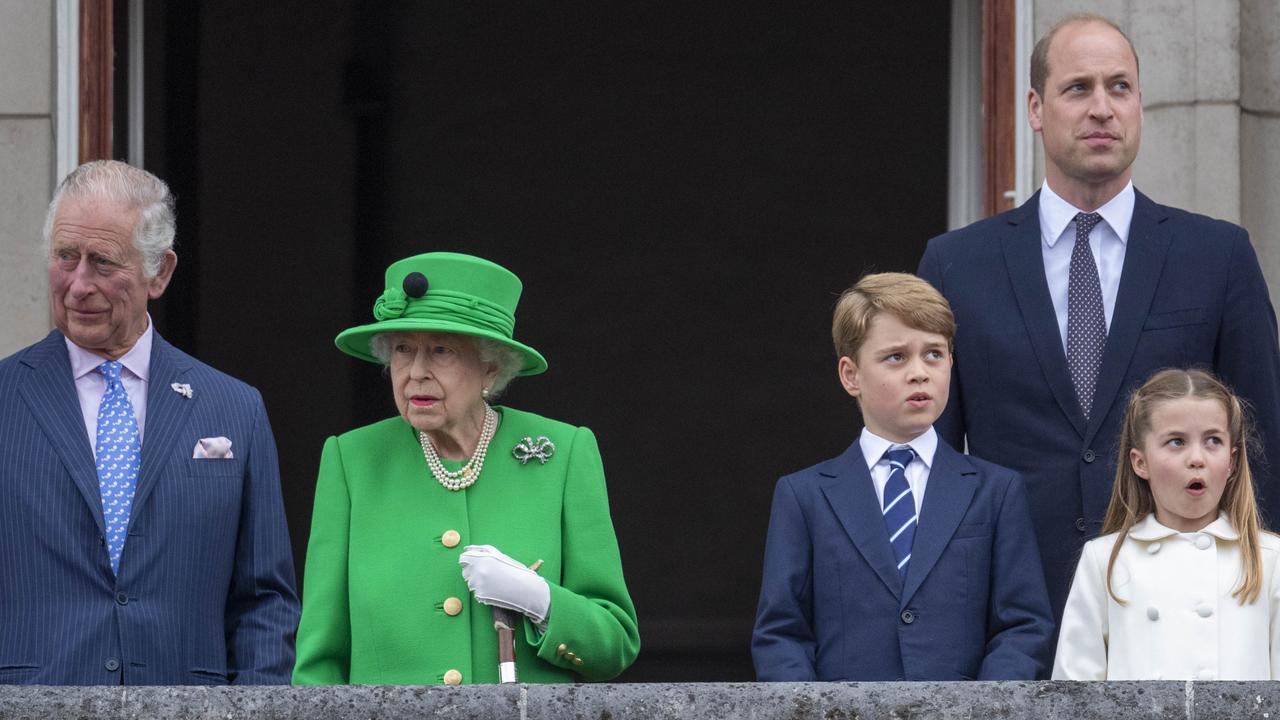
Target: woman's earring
{"x":485,"y":393}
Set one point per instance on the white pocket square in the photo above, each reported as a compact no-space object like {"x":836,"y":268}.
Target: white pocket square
{"x":213,"y":448}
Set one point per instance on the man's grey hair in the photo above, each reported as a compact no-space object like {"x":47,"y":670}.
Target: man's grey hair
{"x":133,"y":188}
{"x":508,"y":359}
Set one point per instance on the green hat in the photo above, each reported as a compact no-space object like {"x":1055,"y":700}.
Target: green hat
{"x":448,"y":293}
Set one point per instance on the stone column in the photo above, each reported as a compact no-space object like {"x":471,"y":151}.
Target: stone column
{"x":27,"y":160}
{"x":1190,"y":74}
{"x":1260,"y":131}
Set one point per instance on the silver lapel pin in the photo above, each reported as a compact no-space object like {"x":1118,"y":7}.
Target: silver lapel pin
{"x":542,"y":448}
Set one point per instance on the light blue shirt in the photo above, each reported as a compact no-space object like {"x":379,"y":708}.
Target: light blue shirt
{"x":1108,"y":241}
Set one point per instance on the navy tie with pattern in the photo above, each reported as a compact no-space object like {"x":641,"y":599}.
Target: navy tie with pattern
{"x":900,"y":506}
{"x":118,"y":455}
{"x":1086,"y":323}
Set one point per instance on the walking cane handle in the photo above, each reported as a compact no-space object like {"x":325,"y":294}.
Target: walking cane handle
{"x":504,"y":624}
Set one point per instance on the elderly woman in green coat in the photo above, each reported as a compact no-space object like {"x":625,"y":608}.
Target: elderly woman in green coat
{"x":423,"y":520}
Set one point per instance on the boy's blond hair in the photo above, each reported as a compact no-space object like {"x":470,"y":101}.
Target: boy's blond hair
{"x":914,"y":302}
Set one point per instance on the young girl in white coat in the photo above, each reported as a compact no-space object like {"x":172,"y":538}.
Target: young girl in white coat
{"x":1182,"y":585}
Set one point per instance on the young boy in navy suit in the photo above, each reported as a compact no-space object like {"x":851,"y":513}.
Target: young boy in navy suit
{"x":901,"y":559}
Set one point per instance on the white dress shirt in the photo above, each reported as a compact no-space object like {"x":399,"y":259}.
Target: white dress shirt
{"x":917,"y":471}
{"x":90,"y":384}
{"x":1108,"y":241}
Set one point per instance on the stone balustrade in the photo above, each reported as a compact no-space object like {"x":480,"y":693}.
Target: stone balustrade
{"x":680,"y":701}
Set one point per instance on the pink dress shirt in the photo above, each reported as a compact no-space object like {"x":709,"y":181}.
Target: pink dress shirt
{"x":90,"y":384}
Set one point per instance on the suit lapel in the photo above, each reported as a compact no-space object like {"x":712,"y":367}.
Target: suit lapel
{"x":50,"y":393}
{"x":1144,"y":259}
{"x":1025,"y":262}
{"x":167,"y":413}
{"x":952,"y":483}
{"x":847,"y":485}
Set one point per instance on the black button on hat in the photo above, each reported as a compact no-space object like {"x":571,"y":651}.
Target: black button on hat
{"x":415,"y":284}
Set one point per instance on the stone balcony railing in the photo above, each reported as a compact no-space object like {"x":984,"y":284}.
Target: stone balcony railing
{"x":681,"y":701}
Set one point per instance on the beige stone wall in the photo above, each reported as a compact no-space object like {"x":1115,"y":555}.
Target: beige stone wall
{"x":1211,"y":97}
{"x":1260,"y":131}
{"x":27,"y":162}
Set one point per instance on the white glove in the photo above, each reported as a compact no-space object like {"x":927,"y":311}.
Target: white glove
{"x":497,"y":580}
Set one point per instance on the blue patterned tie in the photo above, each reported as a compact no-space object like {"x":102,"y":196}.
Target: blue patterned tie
{"x":1086,"y":323}
{"x":118,"y":455}
{"x":900,"y":506}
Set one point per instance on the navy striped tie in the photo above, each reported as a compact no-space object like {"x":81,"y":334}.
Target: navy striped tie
{"x":900,"y":506}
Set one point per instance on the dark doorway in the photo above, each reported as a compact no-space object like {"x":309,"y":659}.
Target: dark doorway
{"x":683,"y":187}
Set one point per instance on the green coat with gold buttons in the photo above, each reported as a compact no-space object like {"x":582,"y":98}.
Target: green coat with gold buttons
{"x":382,"y":564}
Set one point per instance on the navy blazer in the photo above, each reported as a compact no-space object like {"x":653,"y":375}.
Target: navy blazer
{"x":205,"y":593}
{"x":1191,"y":294}
{"x":833,"y":606}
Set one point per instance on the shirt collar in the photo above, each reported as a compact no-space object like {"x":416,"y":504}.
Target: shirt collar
{"x":874,"y":447}
{"x":136,"y":361}
{"x":1150,"y":529}
{"x":1056,"y":214}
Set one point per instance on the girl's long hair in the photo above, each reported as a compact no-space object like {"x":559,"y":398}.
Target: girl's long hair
{"x":1131,"y":498}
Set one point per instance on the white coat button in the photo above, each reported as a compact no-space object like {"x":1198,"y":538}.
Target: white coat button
{"x":1205,"y":674}
{"x":1153,"y":548}
{"x":1204,"y":610}
{"x":1153,"y":613}
{"x":1203,"y":542}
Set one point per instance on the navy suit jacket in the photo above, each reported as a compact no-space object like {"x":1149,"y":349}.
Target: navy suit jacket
{"x":1191,"y":294}
{"x":205,"y":593}
{"x":833,"y":606}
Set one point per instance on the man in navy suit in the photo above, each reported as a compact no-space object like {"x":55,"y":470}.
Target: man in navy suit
{"x":1066,"y":304}
{"x":142,"y":531}
{"x":901,"y":559}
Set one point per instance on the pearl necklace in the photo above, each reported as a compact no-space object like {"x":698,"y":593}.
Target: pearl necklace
{"x":467,"y":475}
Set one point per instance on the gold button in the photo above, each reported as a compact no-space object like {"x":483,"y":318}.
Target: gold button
{"x":453,"y":677}
{"x":577,"y":661}
{"x":562,"y":649}
{"x":570,"y":656}
{"x":452,"y":606}
{"x":451,"y":538}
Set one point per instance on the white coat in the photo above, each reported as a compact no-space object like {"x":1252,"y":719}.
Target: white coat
{"x":1180,"y":621}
